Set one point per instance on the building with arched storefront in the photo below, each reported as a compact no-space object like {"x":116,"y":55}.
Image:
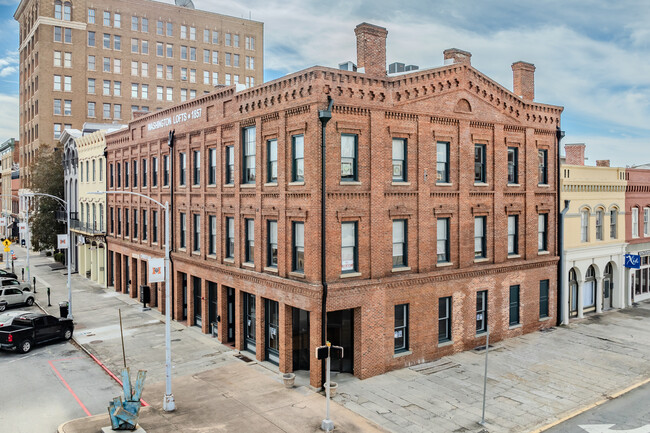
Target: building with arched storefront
{"x":637,"y":233}
{"x":594,"y":236}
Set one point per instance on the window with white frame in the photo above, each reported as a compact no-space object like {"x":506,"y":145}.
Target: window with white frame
{"x":584,"y":225}
{"x":400,"y":243}
{"x":401,"y":328}
{"x":513,"y":234}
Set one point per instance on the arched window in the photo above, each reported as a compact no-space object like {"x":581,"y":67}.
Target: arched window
{"x":94,"y":217}
{"x":573,"y":292}
{"x":599,"y":224}
{"x":613,"y":219}
{"x":589,"y":289}
{"x":67,"y":11}
{"x":57,"y":10}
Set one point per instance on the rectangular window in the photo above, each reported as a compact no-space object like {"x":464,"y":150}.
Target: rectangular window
{"x":298,"y":159}
{"x":135,"y":223}
{"x":144,"y":26}
{"x":250,"y":43}
{"x":135,"y":45}
{"x":57,"y":107}
{"x":479,"y":163}
{"x":127,"y":227}
{"x":159,"y":27}
{"x":119,"y":221}
{"x":228,"y":39}
{"x":349,"y":254}
{"x":91,"y":16}
{"x":248,"y":166}
{"x":230,"y":165}
{"x":613,"y":219}
{"x":127,"y":174}
{"x":145,"y":222}
{"x":513,"y":168}
{"x":182,"y":169}
{"x":399,"y":160}
{"x":144,"y":173}
{"x":215,"y":57}
{"x":272,"y":158}
{"x":481,"y":311}
{"x":230,"y":237}
{"x":212,"y":235}
{"x":212,"y":166}
{"x":183,"y":32}
{"x":480,"y":244}
{"x":196,"y":169}
{"x":442,"y":163}
{"x":169,"y":51}
{"x":57,"y":58}
{"x":400,"y":244}
{"x":183,"y":230}
{"x":67,"y":60}
{"x":514,"y":305}
{"x":215,"y":37}
{"x":117,"y":20}
{"x":107,"y":111}
{"x":107,"y":41}
{"x":67,"y":36}
{"x":169,"y":29}
{"x":646,"y":221}
{"x":542,"y":237}
{"x":107,"y":64}
{"x":444,"y":319}
{"x":91,"y":38}
{"x":349,"y":143}
{"x":117,"y":42}
{"x":250,"y":241}
{"x":67,"y":107}
{"x":584,"y":224}
{"x":111,"y":219}
{"x":135,"y":174}
{"x":206,"y":36}
{"x":298,"y":250}
{"x":154,"y":226}
{"x":58,"y":33}
{"x":165,"y":170}
{"x":196,"y":227}
{"x":272,"y":247}
{"x":543,"y":298}
{"x":57,"y":82}
{"x":401,"y":328}
{"x":542,"y":157}
{"x":183,"y":52}
{"x":154,"y":171}
{"x":442,"y":240}
{"x":145,"y":47}
{"x":91,"y":65}
{"x":111,"y":176}
{"x":91,"y":86}
{"x":144,"y":71}
{"x":513,"y":234}
{"x":67,"y":83}
{"x":635,"y":222}
{"x":119,"y":175}
{"x":134,"y":23}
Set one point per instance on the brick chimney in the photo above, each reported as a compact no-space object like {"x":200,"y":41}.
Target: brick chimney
{"x":454,"y":55}
{"x":523,"y":79}
{"x":602,"y":163}
{"x":371,"y":49}
{"x":575,"y":154}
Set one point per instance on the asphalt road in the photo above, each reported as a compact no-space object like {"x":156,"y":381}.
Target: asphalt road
{"x":51,"y":384}
{"x":627,"y":413}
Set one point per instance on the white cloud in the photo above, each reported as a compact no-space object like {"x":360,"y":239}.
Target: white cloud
{"x":9,"y":118}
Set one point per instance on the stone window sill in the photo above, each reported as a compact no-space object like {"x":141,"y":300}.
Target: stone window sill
{"x":229,"y":261}
{"x":297,"y":274}
{"x":518,"y":325}
{"x":401,"y":269}
{"x":247,"y":185}
{"x":248,"y":265}
{"x":301,"y":183}
{"x":481,"y":184}
{"x":228,"y":185}
{"x":403,"y":353}
{"x":544,"y":319}
{"x":444,"y":184}
{"x":350,"y":182}
{"x":446,"y":343}
{"x":543,"y":185}
{"x":513,"y":184}
{"x":271,"y":184}
{"x":444,"y":264}
{"x":400,"y":183}
{"x":481,"y":260}
{"x":543,"y":253}
{"x":514,"y":256}
{"x":271,"y":270}
{"x":350,"y":275}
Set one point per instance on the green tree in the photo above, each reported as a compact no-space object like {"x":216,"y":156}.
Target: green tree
{"x":47,"y":177}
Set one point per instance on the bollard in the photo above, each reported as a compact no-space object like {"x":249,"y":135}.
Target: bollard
{"x":23,"y":274}
{"x":34,"y":284}
{"x":48,"y":297}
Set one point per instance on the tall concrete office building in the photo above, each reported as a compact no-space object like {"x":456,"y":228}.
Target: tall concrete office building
{"x":90,"y":61}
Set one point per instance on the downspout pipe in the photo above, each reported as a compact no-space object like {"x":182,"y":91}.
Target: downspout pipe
{"x":170,"y":143}
{"x":559,"y":134}
{"x":324,"y":116}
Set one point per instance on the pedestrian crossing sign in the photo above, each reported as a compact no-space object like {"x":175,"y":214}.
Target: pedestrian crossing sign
{"x":6,"y":243}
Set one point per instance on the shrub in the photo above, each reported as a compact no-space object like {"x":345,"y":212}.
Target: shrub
{"x":48,"y":253}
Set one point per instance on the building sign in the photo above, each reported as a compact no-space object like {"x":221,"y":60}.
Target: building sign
{"x":156,"y":270}
{"x":22,"y":227}
{"x":632,"y":261}
{"x":62,"y":242}
{"x":3,"y":221}
{"x":175,"y":119}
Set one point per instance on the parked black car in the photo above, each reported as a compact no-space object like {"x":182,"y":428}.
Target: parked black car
{"x":7,"y":274}
{"x":34,"y":328}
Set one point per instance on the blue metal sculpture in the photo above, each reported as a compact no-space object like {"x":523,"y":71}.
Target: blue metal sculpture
{"x":124,"y":413}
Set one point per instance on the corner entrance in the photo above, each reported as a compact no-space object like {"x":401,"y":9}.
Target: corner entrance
{"x":340,"y":332}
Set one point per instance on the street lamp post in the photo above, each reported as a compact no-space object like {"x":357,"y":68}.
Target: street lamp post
{"x":69,"y":252}
{"x":169,"y":405}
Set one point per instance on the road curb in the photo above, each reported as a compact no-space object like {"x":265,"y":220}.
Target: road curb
{"x":591,"y":406}
{"x":93,"y":357}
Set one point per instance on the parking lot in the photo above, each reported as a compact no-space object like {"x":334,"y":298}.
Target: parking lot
{"x":53,"y":383}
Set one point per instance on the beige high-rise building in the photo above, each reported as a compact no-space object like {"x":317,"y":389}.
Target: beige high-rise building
{"x":100,"y":61}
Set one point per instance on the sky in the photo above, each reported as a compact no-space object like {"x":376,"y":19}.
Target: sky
{"x":592,"y":56}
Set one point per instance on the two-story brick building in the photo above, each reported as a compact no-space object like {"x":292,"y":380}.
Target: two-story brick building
{"x":637,"y":233}
{"x":440,"y":211}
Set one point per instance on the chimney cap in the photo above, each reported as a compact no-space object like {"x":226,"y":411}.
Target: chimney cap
{"x":455,"y":55}
{"x":371,"y":28}
{"x":523,"y":65}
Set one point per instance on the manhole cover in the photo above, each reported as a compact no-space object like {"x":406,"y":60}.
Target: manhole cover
{"x":96,"y":341}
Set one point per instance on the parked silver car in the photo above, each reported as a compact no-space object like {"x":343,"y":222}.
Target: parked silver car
{"x":12,"y":292}
{"x":9,"y":316}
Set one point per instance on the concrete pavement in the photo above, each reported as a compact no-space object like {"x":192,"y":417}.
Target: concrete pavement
{"x":533,"y":380}
{"x":214,"y":390}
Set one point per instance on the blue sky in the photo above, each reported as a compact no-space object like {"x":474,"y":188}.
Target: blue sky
{"x":592,"y":56}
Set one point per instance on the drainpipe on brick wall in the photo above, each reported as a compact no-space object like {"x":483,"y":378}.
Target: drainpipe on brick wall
{"x":324,"y":116}
{"x":170,"y":143}
{"x":559,"y":134}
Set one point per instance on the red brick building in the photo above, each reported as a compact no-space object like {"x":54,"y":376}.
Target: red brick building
{"x":441,"y":204}
{"x":637,"y":232}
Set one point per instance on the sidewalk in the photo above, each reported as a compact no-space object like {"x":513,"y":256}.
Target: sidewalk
{"x":214,"y":390}
{"x":533,"y":380}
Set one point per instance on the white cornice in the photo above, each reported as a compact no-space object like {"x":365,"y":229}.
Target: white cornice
{"x":48,"y":21}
